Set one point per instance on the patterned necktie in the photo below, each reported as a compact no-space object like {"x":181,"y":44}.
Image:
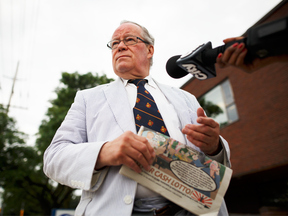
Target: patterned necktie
{"x":145,"y":111}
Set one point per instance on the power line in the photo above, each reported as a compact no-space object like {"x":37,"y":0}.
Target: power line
{"x":1,"y":44}
{"x":18,"y":28}
{"x":12,"y":41}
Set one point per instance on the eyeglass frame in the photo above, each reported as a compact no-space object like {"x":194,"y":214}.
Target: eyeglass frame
{"x":138,"y":38}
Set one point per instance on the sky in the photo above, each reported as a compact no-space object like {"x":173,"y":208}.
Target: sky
{"x":48,"y":37}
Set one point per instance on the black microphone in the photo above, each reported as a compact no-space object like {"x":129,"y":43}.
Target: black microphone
{"x":265,"y":40}
{"x":173,"y":69}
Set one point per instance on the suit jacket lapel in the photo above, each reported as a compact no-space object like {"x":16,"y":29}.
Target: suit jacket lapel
{"x":118,"y":101}
{"x":178,"y":103}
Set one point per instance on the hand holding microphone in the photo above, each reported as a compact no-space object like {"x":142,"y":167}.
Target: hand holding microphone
{"x":236,"y":53}
{"x":263,"y":45}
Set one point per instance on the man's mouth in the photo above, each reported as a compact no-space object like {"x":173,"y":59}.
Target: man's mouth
{"x":122,"y":56}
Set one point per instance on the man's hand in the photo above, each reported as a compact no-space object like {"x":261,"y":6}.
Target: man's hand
{"x":206,"y":135}
{"x":127,"y":149}
{"x":235,"y":55}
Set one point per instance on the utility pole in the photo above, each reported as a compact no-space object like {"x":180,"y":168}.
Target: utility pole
{"x":12,"y":91}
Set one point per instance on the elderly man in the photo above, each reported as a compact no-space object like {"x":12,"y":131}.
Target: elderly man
{"x":99,"y":134}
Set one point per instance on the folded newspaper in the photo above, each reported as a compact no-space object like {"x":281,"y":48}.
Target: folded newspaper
{"x":183,"y":175}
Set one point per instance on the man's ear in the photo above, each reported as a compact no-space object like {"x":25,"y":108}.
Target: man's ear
{"x":150,"y":50}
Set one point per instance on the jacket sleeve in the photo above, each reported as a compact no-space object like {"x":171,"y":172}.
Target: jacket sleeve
{"x":70,"y":158}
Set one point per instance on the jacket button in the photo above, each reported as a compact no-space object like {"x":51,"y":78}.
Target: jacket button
{"x":128,"y":199}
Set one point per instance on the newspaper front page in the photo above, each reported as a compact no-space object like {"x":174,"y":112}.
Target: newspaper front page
{"x":183,"y":175}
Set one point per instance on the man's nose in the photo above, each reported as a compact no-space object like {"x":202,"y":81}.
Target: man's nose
{"x":122,"y":46}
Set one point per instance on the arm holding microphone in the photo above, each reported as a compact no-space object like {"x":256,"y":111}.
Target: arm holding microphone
{"x":236,"y":53}
{"x":264,"y":44}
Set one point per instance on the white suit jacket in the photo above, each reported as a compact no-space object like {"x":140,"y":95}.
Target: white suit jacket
{"x":99,"y":115}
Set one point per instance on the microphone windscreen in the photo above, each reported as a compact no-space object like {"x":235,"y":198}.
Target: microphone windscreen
{"x":173,"y":69}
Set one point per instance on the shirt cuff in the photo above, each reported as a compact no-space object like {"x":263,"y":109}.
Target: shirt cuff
{"x":220,"y":156}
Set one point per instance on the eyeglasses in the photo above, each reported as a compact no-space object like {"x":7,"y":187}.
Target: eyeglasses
{"x":130,"y":40}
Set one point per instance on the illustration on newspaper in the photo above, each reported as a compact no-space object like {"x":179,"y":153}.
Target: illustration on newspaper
{"x":183,"y":175}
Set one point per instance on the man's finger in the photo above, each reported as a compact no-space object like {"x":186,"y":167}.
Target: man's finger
{"x":203,"y":119}
{"x":139,"y":157}
{"x":201,"y":137}
{"x":129,"y":162}
{"x":147,"y":148}
{"x":208,"y":122}
{"x":200,"y":112}
{"x":142,"y":151}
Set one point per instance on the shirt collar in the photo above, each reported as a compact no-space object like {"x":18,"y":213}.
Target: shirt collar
{"x":148,"y":78}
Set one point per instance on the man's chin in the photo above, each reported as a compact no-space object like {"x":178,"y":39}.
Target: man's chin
{"x":124,"y":73}
{"x":123,"y":67}
{"x":123,"y":70}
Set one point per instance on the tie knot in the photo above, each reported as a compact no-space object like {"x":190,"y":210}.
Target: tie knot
{"x":138,"y":82}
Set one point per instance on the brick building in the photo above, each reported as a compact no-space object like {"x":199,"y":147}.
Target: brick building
{"x":255,"y":123}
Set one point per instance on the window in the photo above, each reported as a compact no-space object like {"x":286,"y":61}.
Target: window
{"x":219,"y":104}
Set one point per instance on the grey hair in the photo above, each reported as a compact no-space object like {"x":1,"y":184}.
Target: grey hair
{"x":145,"y":34}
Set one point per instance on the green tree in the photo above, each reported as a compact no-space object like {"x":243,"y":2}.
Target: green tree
{"x":21,"y":166}
{"x":212,"y":110}
{"x":18,"y":166}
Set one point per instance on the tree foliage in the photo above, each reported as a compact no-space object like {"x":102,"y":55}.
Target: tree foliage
{"x":21,"y":175}
{"x":18,"y":166}
{"x":212,"y":110}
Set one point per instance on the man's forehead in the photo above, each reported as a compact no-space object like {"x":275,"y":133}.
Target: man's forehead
{"x":126,"y":29}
